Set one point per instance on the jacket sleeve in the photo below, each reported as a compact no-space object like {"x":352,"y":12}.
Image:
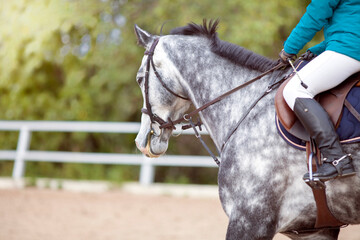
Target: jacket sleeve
{"x":315,"y":18}
{"x":319,"y":48}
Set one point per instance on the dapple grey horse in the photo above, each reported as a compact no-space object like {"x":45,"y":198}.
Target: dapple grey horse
{"x":260,"y":176}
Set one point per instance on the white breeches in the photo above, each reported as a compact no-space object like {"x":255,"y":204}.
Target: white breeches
{"x":324,"y":72}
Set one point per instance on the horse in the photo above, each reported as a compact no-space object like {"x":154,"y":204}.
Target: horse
{"x":260,"y":177}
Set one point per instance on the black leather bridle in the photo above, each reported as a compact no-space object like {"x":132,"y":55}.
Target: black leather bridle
{"x":148,"y":110}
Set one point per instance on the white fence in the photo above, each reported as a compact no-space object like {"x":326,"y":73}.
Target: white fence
{"x":22,"y":154}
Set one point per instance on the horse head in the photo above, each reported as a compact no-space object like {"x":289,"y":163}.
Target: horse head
{"x":164,"y":97}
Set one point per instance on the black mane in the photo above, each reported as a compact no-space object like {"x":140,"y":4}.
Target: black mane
{"x":232,"y":52}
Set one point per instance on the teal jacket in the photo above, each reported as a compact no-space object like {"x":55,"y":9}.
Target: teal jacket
{"x":340,"y":20}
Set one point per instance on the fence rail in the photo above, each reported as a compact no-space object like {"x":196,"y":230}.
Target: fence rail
{"x":22,"y":154}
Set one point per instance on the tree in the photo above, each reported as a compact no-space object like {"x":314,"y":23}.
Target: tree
{"x":77,"y":60}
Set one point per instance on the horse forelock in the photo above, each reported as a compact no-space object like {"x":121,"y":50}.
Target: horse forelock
{"x":234,"y":53}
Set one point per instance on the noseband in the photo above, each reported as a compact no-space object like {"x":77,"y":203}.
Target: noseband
{"x":148,"y":110}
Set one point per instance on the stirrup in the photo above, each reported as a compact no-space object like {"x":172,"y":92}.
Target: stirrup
{"x":314,"y":183}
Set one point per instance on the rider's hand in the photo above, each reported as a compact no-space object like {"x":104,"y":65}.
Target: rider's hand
{"x":308,"y":55}
{"x":285,"y":57}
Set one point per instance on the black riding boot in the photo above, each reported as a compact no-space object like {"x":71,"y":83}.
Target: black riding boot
{"x":318,"y":124}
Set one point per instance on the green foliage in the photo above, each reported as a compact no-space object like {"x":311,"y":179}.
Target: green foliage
{"x":77,"y":60}
{"x":260,"y":26}
{"x":47,"y":72}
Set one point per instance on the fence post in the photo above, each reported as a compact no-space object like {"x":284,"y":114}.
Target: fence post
{"x":22,"y":147}
{"x":147,"y":171}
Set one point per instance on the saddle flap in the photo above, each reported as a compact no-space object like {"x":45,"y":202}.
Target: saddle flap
{"x":285,"y":114}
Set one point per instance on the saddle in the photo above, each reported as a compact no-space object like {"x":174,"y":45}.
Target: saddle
{"x":333,"y":101}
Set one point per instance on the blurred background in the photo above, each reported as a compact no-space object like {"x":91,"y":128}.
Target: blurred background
{"x":76,"y":60}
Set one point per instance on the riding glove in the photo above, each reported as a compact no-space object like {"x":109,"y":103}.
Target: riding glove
{"x":285,"y":57}
{"x":308,"y":55}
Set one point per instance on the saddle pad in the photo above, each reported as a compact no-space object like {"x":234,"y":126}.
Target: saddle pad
{"x":348,"y":128}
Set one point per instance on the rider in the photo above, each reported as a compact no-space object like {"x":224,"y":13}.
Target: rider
{"x":337,"y":57}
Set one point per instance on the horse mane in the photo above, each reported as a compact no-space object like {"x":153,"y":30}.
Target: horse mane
{"x":234,"y":53}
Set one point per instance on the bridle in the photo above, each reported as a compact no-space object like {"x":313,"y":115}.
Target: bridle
{"x":148,"y":110}
{"x":170,"y":124}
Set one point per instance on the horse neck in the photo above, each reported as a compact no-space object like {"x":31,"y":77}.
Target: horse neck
{"x":205,"y":76}
{"x":212,"y":79}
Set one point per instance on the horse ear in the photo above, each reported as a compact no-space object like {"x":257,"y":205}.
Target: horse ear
{"x":143,"y":37}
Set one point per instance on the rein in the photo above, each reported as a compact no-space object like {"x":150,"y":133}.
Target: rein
{"x":221,"y":97}
{"x":188,"y":116}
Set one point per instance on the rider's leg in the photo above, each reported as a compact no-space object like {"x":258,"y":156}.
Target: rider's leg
{"x":326,"y":71}
{"x":317,"y":122}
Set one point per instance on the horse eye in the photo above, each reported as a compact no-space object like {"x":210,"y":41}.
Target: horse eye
{"x":139,"y":80}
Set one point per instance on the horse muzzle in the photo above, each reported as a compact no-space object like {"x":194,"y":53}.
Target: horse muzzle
{"x":148,"y":152}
